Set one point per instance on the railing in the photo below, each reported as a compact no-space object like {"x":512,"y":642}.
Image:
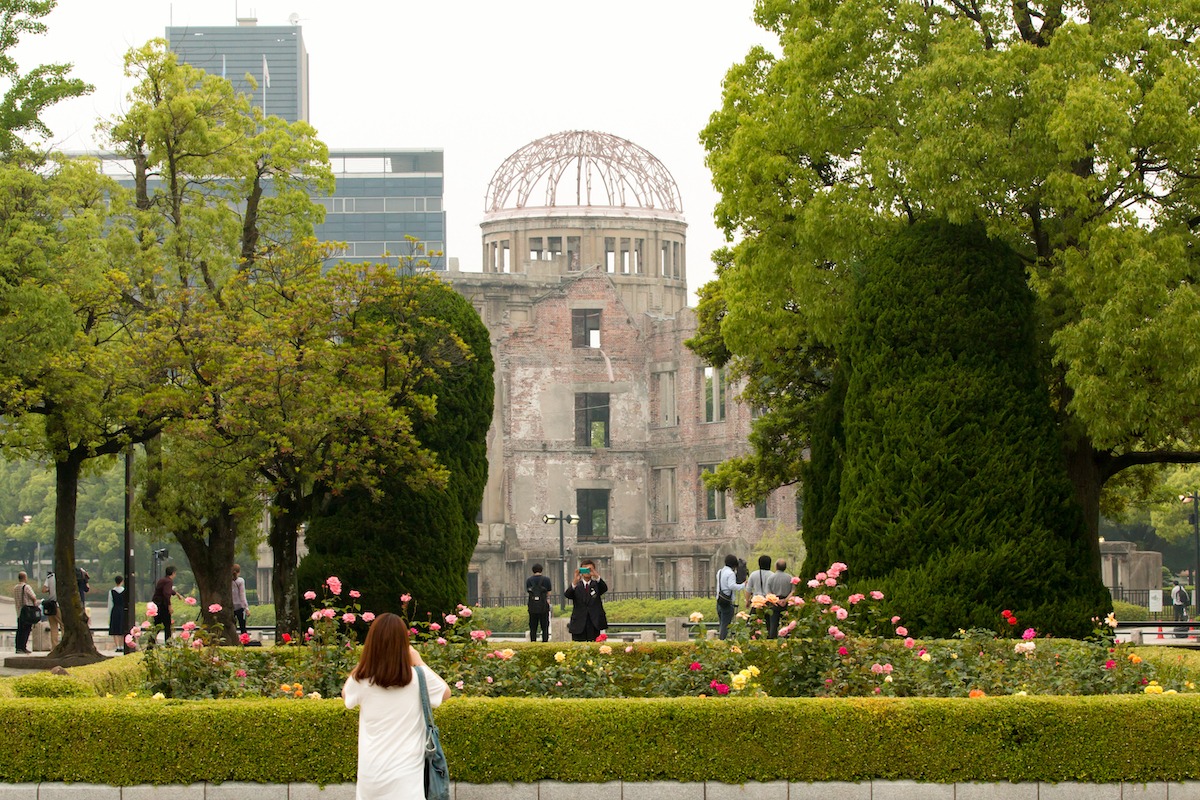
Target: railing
{"x":610,"y":597}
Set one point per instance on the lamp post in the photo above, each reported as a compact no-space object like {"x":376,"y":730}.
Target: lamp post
{"x":570,"y":519}
{"x":1193,"y":497}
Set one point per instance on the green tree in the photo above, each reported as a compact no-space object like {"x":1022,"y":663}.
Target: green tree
{"x":29,"y":94}
{"x":419,"y":540}
{"x":1067,"y":131}
{"x":954,"y":497}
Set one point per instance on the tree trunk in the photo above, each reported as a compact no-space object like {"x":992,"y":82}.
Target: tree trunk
{"x":209,"y":550}
{"x":76,"y":635}
{"x":1087,"y":476}
{"x":283,"y":538}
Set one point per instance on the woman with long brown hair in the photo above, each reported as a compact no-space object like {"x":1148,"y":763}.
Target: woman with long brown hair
{"x":391,"y":724}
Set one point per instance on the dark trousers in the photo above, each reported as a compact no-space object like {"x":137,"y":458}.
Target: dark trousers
{"x":164,"y":619}
{"x":1179,"y":613}
{"x":539,"y":618}
{"x":724,"y":617}
{"x":773,"y":622}
{"x":23,"y":630}
{"x":239,"y":614}
{"x":589,"y":634}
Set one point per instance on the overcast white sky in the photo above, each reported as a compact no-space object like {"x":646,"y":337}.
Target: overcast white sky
{"x":476,"y":78}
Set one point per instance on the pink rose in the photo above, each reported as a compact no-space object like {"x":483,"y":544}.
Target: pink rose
{"x":191,"y":601}
{"x":823,"y":599}
{"x":629,"y":649}
{"x":1029,"y":633}
{"x":458,"y":684}
{"x":795,"y":580}
{"x":833,"y":631}
{"x":856,"y":598}
{"x":695,"y":666}
{"x":368,"y":616}
{"x":241,"y":673}
{"x":215,"y":608}
{"x":244,"y":639}
{"x":440,"y":640}
{"x":189,"y":626}
{"x":821,"y":576}
{"x":814,"y":583}
{"x":349,"y":618}
{"x":433,"y":626}
{"x":842,"y":613}
{"x":876,"y":594}
{"x":842,"y":651}
{"x":466,"y":612}
{"x":479,"y":635}
{"x":1110,"y":664}
{"x":909,"y":643}
{"x":151,"y":610}
{"x":404,"y":598}
{"x":877,"y":668}
{"x":451,"y":619}
{"x":831,"y":581}
{"x":895,"y":619}
{"x":489,"y":678}
{"x":335,"y":585}
{"x":887,"y":668}
{"x":310,"y":595}
{"x":901,"y":631}
{"x":355,"y":594}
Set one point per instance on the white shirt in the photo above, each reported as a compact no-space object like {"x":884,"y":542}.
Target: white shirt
{"x":391,"y":736}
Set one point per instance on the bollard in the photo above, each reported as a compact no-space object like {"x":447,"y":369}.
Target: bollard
{"x":648,"y":636}
{"x":558,"y":630}
{"x":676,"y":632}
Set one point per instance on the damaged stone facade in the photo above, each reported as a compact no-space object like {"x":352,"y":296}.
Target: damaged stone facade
{"x":601,"y":411}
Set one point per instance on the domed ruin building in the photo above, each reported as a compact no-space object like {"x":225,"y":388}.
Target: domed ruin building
{"x":601,"y":412}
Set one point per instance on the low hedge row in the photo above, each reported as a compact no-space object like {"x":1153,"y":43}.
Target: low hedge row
{"x":1089,"y":739}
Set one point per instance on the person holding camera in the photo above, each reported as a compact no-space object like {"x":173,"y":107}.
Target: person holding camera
{"x":586,"y":594}
{"x":537,"y":588}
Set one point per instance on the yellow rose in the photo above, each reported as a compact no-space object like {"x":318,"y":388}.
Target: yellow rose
{"x":560,"y":656}
{"x":735,"y":649}
{"x":696,"y":616}
{"x":605,"y":650}
{"x":753,"y":670}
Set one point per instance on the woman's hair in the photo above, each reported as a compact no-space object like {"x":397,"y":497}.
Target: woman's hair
{"x":764,"y":562}
{"x":384,"y":660}
{"x":731,"y":560}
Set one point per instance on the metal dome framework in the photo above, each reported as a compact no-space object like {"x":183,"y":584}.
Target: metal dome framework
{"x":621,"y":173}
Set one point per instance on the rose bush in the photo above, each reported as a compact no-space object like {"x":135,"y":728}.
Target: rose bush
{"x":831,"y":644}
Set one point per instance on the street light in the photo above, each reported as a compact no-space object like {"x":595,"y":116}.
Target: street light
{"x":570,"y":519}
{"x":1193,"y":497}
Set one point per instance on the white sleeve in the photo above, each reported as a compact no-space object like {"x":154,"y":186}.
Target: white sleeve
{"x":435,"y":686}
{"x":352,"y":692}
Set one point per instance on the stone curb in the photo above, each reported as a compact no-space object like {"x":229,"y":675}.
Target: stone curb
{"x":620,"y":790}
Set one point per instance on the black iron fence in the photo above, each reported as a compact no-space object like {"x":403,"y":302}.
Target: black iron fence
{"x":610,"y":597}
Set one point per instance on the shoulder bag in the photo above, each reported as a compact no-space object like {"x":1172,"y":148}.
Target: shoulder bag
{"x":437,"y":773}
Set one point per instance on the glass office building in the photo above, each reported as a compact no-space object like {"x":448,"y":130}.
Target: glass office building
{"x":382,"y":197}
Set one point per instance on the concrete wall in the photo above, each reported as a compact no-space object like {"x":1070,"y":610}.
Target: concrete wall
{"x":620,"y":790}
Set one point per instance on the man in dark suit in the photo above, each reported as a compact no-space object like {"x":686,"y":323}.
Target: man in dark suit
{"x":586,"y":594}
{"x":537,"y":587}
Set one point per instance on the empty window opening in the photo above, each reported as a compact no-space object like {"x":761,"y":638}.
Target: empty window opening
{"x":554,"y":247}
{"x":639,"y":249}
{"x":714,"y":500}
{"x":585,"y":327}
{"x":610,"y":254}
{"x":592,"y":507}
{"x":626,"y":256}
{"x":535,"y":248}
{"x":714,"y":394}
{"x":573,"y":258}
{"x":591,"y":420}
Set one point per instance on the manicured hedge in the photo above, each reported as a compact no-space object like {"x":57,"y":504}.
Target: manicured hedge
{"x":1088,"y":739}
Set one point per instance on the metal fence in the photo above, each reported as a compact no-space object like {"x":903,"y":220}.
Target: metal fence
{"x":610,"y":597}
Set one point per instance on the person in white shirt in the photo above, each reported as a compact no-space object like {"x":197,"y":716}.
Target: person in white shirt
{"x":727,"y":589}
{"x":240,"y":606}
{"x":391,"y":722}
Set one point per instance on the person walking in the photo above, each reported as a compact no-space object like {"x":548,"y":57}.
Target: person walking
{"x":240,"y":606}
{"x":50,"y":606}
{"x":391,"y":722}
{"x":727,"y":588}
{"x":780,"y":587}
{"x":25,"y":602}
{"x":164,"y":590}
{"x":116,"y":613}
{"x":586,"y":594}
{"x":537,"y":589}
{"x":1180,"y":600}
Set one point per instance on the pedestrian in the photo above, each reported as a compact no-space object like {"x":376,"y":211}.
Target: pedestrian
{"x":727,"y":588}
{"x":240,"y":606}
{"x":116,"y":613}
{"x":780,"y":587}
{"x":537,"y":589}
{"x":25,"y":602}
{"x":756,"y":583}
{"x":164,"y":590}
{"x":1180,"y":600}
{"x":586,"y":593}
{"x":50,"y":608}
{"x":83,"y":581}
{"x":391,"y":722}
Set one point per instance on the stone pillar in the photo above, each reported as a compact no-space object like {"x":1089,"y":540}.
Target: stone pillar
{"x":648,"y":636}
{"x":676,"y":630}
{"x":558,"y":629}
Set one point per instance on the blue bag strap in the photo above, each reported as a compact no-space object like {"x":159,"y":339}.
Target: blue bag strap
{"x":424,"y":697}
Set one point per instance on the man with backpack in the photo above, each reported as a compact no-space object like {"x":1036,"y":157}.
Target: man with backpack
{"x":1180,"y":600}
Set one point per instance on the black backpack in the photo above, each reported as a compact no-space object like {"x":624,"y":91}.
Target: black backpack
{"x":742,"y":572}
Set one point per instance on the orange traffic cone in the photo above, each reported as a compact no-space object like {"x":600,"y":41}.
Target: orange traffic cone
{"x":1159,"y":633}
